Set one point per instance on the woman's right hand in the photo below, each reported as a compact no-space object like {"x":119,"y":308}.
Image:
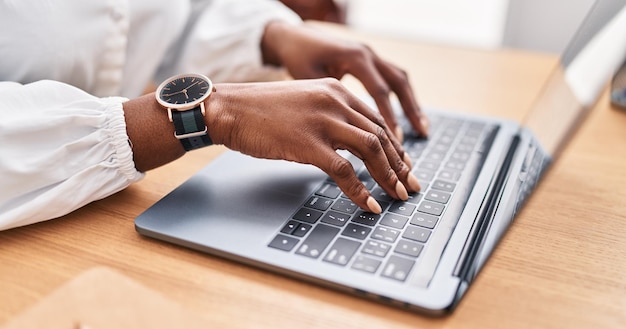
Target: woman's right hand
{"x":306,"y":121}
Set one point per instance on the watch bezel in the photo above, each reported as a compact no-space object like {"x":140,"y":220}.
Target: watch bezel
{"x":185,"y":106}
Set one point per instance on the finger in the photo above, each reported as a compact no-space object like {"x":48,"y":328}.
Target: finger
{"x":399,"y":83}
{"x":342,"y":172}
{"x":371,"y":144}
{"x":365,"y":71}
{"x":361,"y":107}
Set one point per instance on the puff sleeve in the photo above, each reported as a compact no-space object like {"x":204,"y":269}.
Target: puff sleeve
{"x":60,"y":148}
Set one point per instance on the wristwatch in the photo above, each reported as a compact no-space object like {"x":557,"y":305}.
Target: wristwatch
{"x":183,"y":95}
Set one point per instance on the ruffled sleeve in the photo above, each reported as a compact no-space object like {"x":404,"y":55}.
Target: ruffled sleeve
{"x":60,"y":148}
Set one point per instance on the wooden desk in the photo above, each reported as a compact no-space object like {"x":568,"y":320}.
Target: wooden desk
{"x":558,"y":267}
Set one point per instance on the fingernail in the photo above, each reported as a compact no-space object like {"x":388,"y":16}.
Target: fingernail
{"x":407,"y":160}
{"x":401,"y":191}
{"x":399,"y":134}
{"x":414,"y":184}
{"x":373,"y":205}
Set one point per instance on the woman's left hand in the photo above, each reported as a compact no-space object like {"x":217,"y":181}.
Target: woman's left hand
{"x":307,"y":53}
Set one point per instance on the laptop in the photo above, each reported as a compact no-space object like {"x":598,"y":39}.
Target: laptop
{"x":421,"y":254}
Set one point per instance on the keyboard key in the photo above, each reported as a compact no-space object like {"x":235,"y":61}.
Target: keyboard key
{"x":416,"y":234}
{"x":317,"y":241}
{"x":302,"y":230}
{"x":428,"y":166}
{"x":455,"y":165}
{"x":398,"y":268}
{"x":402,"y":208}
{"x":341,"y":251}
{"x":366,"y":218}
{"x":283,"y":242}
{"x":468,"y":140}
{"x":446,"y":140}
{"x":356,"y":231}
{"x":437,"y":196}
{"x":385,"y":234}
{"x":336,"y":218}
{"x":451,"y":175}
{"x":461,"y":156}
{"x":308,"y":215}
{"x":408,"y":248}
{"x":415,"y":198}
{"x":431,"y":208}
{"x":423,"y":175}
{"x":394,"y":221}
{"x":319,"y":203}
{"x":383,"y":205}
{"x":441,"y":147}
{"x":328,"y":190}
{"x":436,"y":156}
{"x":366,"y":264}
{"x":379,"y":194}
{"x":424,"y":220}
{"x":290,"y":227}
{"x":376,"y":248}
{"x":345,"y":205}
{"x":464,"y":148}
{"x":443,"y":185}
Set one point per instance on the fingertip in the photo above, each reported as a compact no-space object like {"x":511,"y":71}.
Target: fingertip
{"x":414,"y":184}
{"x":401,"y":191}
{"x":425,"y":125}
{"x":373,"y":205}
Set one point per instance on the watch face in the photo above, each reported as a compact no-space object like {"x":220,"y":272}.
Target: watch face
{"x":184,"y":91}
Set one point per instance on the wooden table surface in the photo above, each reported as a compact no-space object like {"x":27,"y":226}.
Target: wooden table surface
{"x":561,"y":265}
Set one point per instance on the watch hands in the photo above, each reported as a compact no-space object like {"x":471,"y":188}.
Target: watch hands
{"x":182,"y":91}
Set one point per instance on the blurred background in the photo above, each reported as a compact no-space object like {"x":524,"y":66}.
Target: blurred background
{"x":538,"y":25}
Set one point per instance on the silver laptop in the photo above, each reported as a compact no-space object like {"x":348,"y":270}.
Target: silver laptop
{"x":421,"y":254}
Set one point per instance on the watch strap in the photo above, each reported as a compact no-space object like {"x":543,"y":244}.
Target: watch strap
{"x":190,"y":128}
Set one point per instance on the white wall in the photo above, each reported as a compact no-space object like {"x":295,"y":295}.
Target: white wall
{"x":543,"y":25}
{"x":464,"y":22}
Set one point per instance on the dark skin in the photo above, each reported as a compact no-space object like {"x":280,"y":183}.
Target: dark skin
{"x":303,"y":121}
{"x":320,"y":10}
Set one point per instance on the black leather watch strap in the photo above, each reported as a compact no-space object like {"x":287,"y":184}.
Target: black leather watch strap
{"x":191,"y":129}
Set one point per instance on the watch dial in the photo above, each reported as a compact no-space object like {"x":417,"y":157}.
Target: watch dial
{"x":183,"y":90}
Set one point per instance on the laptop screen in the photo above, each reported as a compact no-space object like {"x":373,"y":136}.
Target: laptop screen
{"x":592,"y":56}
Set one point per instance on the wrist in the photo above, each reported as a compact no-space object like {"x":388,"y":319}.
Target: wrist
{"x":273,"y":41}
{"x":218,"y":119}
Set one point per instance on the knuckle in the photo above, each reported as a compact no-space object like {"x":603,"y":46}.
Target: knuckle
{"x":372,"y":141}
{"x":381,"y":90}
{"x":341,"y":168}
{"x":326,"y":92}
{"x":330,"y":88}
{"x":378,"y":119}
{"x":358,"y":50}
{"x":403,"y":74}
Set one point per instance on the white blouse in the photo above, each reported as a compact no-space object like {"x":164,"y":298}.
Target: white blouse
{"x":68,"y":65}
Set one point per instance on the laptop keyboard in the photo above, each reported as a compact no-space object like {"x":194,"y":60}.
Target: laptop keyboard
{"x":331,"y":228}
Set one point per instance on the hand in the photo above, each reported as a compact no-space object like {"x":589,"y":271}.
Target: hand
{"x":320,"y":10}
{"x":306,"y":122}
{"x":307,"y":54}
